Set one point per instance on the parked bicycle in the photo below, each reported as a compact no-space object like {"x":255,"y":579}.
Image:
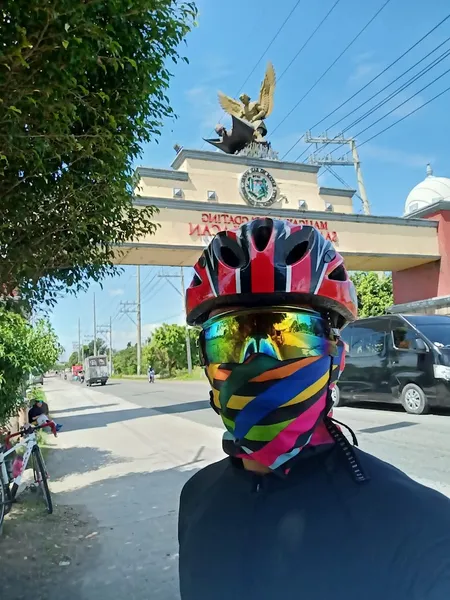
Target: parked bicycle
{"x":11,"y":472}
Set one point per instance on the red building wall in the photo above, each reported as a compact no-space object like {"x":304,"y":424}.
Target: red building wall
{"x":432,"y":279}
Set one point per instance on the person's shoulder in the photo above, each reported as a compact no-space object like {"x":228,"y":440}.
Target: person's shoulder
{"x":204,"y":479}
{"x":398,"y":486}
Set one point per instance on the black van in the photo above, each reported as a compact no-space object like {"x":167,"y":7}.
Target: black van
{"x":402,"y":359}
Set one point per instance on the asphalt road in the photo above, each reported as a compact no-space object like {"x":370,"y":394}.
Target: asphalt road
{"x":419,"y":445}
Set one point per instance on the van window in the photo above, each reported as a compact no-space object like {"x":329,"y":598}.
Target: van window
{"x":404,"y":338}
{"x":365,"y":342}
{"x":98,"y":361}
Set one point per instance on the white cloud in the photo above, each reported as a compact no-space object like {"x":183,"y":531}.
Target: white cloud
{"x":203,"y":100}
{"x":409,"y":106}
{"x":363,"y":71}
{"x":116,"y":292}
{"x":394,"y":156}
{"x":362,"y":57}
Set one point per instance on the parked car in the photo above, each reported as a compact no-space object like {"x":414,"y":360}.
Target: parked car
{"x":36,"y":379}
{"x":400,"y":359}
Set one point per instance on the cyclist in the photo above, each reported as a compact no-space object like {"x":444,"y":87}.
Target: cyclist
{"x":295,"y":511}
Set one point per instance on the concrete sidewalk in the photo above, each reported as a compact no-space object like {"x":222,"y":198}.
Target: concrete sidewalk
{"x":125,"y":465}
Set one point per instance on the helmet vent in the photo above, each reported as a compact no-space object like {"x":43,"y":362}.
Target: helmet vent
{"x":338,"y":274}
{"x":229,"y":257}
{"x":297,"y":252}
{"x":261,"y":237}
{"x":196,"y":281}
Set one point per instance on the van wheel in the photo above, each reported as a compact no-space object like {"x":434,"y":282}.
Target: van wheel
{"x":414,"y":400}
{"x":336,"y":396}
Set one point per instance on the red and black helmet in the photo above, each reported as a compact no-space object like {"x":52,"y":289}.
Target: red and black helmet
{"x":269,"y":262}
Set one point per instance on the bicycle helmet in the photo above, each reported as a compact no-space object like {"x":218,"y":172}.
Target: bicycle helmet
{"x":269,"y":262}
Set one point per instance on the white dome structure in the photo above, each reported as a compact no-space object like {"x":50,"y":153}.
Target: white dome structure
{"x":430,"y":190}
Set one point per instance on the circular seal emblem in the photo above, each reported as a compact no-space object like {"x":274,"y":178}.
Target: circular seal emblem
{"x":258,"y":187}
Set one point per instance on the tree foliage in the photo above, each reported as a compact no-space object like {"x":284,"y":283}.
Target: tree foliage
{"x":23,"y":350}
{"x":82,"y":86}
{"x":88,"y":350}
{"x":374,"y":291}
{"x":125,"y":361}
{"x":166,"y":348}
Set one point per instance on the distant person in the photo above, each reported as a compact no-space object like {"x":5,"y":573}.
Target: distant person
{"x":295,"y":511}
{"x":151,"y":374}
{"x":38,"y":415}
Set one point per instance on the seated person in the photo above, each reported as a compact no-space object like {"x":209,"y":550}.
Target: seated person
{"x":37,"y":415}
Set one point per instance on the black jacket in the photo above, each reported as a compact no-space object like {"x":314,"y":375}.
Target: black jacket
{"x":314,"y":535}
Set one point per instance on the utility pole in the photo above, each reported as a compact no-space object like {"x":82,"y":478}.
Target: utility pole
{"x":138,"y":318}
{"x":359,"y":178}
{"x":181,"y":293}
{"x":110,"y":347}
{"x":188,"y":337}
{"x":107,"y":330}
{"x":79,"y":341}
{"x":329,"y":160}
{"x":134,"y":308}
{"x":95,"y":329}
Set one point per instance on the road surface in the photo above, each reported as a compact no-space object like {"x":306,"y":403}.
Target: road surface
{"x":419,"y":445}
{"x":127,"y":448}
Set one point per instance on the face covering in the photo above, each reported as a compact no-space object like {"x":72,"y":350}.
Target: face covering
{"x":272,"y":409}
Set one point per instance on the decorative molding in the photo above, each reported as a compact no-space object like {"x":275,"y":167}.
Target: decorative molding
{"x":430,"y":209}
{"x":436,"y":302}
{"x":162,"y":174}
{"x":234,"y":209}
{"x":245,"y":161}
{"x":327,"y":191}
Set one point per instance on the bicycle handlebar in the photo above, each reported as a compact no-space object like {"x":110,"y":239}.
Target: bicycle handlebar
{"x":25,"y":430}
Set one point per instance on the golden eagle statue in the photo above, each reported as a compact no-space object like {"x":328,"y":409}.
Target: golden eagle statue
{"x":253,"y":112}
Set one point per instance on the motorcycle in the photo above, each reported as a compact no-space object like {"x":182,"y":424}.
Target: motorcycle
{"x":151,"y":378}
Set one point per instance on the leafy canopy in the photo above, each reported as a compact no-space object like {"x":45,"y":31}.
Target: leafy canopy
{"x":23,"y":350}
{"x":125,"y":361}
{"x":82,"y":86}
{"x":166,"y":349}
{"x":374,"y":293}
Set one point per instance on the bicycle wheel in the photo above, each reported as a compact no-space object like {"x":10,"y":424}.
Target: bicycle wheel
{"x":40,"y":477}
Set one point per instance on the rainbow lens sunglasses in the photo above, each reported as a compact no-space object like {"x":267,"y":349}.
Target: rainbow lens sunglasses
{"x":283,"y":333}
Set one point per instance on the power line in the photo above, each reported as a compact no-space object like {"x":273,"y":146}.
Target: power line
{"x":270,"y":44}
{"x":394,"y":62}
{"x":407,"y":83}
{"x":329,"y":68}
{"x":392,"y":95}
{"x":264,"y":53}
{"x":155,"y":292}
{"x":403,"y":103}
{"x":405,"y":117}
{"x":306,"y":43}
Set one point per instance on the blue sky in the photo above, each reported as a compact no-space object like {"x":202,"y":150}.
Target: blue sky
{"x":224,"y":49}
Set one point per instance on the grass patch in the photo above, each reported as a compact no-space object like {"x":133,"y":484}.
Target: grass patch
{"x":130,"y":377}
{"x":179,"y":375}
{"x":197,"y":375}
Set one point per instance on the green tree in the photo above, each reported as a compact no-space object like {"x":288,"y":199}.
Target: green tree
{"x":101,"y":348}
{"x":83,"y":86}
{"x":374,"y":292}
{"x":166,"y":348}
{"x":125,"y":361}
{"x":23,"y":350}
{"x":73,"y":359}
